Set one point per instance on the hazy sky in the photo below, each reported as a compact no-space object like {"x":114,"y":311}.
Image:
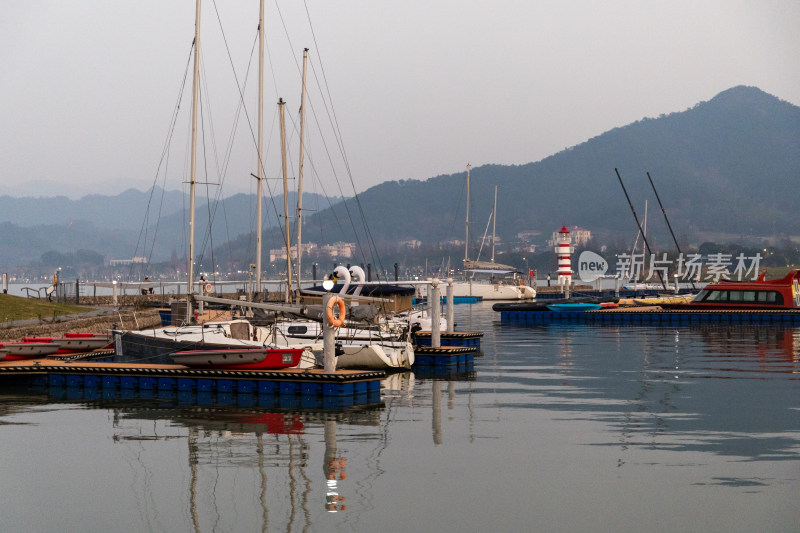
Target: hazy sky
{"x":418,"y":88}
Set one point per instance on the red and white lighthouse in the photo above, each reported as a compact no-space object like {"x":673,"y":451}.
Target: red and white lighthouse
{"x":564,"y":251}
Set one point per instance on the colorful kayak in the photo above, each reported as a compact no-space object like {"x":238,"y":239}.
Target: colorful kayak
{"x":574,"y":307}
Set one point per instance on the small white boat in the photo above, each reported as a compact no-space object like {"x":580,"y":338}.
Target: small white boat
{"x":376,"y":355}
{"x":489,"y":280}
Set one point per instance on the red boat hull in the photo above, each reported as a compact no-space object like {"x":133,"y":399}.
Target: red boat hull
{"x":240,"y":359}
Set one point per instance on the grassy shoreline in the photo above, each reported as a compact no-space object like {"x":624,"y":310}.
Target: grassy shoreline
{"x":14,"y":308}
{"x":50,"y":319}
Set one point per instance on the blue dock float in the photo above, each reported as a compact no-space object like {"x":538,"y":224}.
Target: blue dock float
{"x":655,"y":317}
{"x":449,"y":372}
{"x":169,"y":379}
{"x":456,"y":300}
{"x":425,"y":356}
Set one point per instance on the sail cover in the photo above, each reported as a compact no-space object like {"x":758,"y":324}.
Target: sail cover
{"x":488,"y":266}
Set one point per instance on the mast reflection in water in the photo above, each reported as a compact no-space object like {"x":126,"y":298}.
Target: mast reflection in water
{"x":559,"y":427}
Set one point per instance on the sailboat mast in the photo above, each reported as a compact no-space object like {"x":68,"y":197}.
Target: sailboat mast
{"x":466,"y":234}
{"x":260,"y":177}
{"x":300,"y":168}
{"x":193,"y":164}
{"x":288,"y":299}
{"x":677,"y":246}
{"x":644,"y":224}
{"x":494,"y":220}
{"x":638,"y":225}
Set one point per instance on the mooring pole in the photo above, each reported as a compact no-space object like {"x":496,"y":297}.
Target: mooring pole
{"x":449,"y":309}
{"x":435,"y":313}
{"x":328,"y":338}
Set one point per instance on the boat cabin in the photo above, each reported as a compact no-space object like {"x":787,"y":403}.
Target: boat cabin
{"x":781,"y":293}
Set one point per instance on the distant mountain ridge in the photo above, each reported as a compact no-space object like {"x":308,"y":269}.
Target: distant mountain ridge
{"x":124,"y":211}
{"x":729,"y":165}
{"x":133,"y":223}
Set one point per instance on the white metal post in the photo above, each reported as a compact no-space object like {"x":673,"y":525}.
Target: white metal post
{"x":328,"y":338}
{"x":435,"y":313}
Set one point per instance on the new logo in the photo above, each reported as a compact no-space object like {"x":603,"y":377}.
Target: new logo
{"x":591,"y":266}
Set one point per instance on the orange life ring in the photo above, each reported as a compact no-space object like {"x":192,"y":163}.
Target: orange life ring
{"x":335,"y":322}
{"x":208,"y":287}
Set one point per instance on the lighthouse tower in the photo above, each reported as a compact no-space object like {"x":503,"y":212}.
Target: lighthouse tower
{"x":563,"y":252}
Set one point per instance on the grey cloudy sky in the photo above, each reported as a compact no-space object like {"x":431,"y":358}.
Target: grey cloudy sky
{"x":418,"y":88}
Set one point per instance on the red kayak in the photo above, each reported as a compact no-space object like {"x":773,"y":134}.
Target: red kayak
{"x":16,"y":351}
{"x":75,"y":342}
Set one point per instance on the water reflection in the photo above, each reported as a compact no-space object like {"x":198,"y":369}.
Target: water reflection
{"x":553,"y":423}
{"x":693,"y":390}
{"x":275,"y":443}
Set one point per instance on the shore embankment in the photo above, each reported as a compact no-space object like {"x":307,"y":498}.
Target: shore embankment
{"x":137,"y":311}
{"x":94,"y":320}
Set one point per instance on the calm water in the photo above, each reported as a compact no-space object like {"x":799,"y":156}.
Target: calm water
{"x":561,"y":427}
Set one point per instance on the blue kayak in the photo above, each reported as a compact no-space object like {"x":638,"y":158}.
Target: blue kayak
{"x":574,"y":307}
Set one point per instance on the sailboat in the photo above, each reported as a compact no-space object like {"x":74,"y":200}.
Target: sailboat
{"x":240,"y":339}
{"x":236,"y":339}
{"x":488,"y":280}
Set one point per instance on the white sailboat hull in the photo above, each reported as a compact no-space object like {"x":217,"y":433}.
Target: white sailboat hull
{"x":491,"y":291}
{"x":162,"y":342}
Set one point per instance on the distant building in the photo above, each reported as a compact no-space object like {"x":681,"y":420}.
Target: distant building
{"x":338,"y":249}
{"x":579,"y":235}
{"x":525,"y":249}
{"x":451,"y":243}
{"x":528,"y":235}
{"x":276,"y":254}
{"x":411,"y":243}
{"x":131,"y":261}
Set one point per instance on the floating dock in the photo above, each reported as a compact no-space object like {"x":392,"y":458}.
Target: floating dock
{"x":656,"y":317}
{"x":452,"y":372}
{"x":355,"y":385}
{"x":457,"y":338}
{"x":456,"y":300}
{"x":443,"y":355}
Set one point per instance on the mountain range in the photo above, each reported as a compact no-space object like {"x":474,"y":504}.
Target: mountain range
{"x":726,"y":168}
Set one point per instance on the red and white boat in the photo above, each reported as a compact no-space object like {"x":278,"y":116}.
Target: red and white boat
{"x":16,"y":351}
{"x":75,"y":342}
{"x":240,"y":358}
{"x":775,"y":294}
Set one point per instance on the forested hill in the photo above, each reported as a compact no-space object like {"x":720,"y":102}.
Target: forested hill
{"x":730,"y":165}
{"x":727,"y":168}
